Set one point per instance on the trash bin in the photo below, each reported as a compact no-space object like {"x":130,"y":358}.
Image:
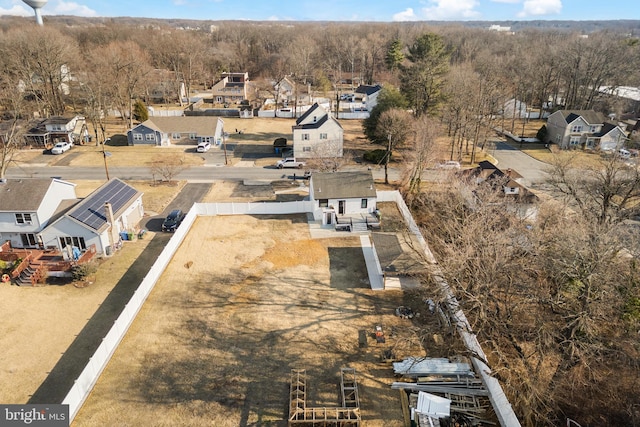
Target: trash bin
{"x":129,"y":236}
{"x":141,"y":233}
{"x":124,"y":235}
{"x":107,"y":250}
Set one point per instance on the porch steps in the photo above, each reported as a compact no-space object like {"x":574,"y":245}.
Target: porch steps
{"x":24,"y":279}
{"x":359,"y":227}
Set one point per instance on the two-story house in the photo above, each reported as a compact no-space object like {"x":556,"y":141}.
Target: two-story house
{"x":368,"y":95}
{"x":58,"y":129}
{"x":317,"y":134}
{"x":584,"y":129}
{"x":232,"y":88}
{"x":165,"y":131}
{"x":27,"y":206}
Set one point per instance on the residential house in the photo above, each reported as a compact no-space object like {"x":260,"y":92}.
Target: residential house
{"x":368,"y":95}
{"x":508,"y":182}
{"x":233,"y":88}
{"x":585,"y":129}
{"x":56,"y":129}
{"x":514,"y":108}
{"x":317,"y":134}
{"x":27,"y":207}
{"x":164,"y":86}
{"x":285,"y":91}
{"x":166,"y":131}
{"x":99,"y":219}
{"x":344,"y":197}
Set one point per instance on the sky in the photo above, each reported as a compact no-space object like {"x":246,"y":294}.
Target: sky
{"x":339,"y":10}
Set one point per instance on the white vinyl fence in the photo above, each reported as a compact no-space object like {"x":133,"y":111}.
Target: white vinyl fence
{"x":498,"y":399}
{"x":89,"y":376}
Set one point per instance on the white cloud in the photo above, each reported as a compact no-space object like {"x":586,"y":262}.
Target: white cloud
{"x":506,"y":1}
{"x":70,"y":8}
{"x":541,"y":7}
{"x":406,"y":15}
{"x":445,"y":10}
{"x":16,"y":10}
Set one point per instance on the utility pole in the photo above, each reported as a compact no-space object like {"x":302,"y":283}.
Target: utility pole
{"x":105,"y":154}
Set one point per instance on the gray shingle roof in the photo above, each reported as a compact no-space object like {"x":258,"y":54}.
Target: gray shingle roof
{"x":343,"y":185}
{"x":592,"y":117}
{"x":20,"y":195}
{"x":184,"y":124}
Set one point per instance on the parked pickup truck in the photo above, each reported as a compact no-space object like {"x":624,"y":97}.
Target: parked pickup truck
{"x":290,"y":162}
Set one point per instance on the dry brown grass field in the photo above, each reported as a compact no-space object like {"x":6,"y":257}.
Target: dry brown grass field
{"x":240,"y":306}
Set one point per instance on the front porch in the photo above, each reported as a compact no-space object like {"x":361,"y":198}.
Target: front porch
{"x":357,"y":222}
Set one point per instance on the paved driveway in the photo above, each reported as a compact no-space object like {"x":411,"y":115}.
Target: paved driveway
{"x":532,"y":170}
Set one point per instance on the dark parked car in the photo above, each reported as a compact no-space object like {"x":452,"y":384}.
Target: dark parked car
{"x":173,"y":220}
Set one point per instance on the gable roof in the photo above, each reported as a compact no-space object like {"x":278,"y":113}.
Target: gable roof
{"x":606,"y":128}
{"x":343,"y":185}
{"x":368,"y":89}
{"x":201,"y":125}
{"x":20,"y":195}
{"x":589,"y":116}
{"x":90,"y":212}
{"x":309,"y":112}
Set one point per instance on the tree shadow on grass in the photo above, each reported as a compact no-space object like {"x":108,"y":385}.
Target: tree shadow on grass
{"x":62,"y":377}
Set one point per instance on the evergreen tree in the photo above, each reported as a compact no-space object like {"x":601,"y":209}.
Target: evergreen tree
{"x":394,"y":56}
{"x":140,"y":112}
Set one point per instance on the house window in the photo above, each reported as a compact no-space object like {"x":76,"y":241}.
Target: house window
{"x":150,"y":137}
{"x":574,"y":141}
{"x":193,"y":136}
{"x":23,"y":218}
{"x":576,"y":129}
{"x":323,"y":203}
{"x":28,"y":239}
{"x":219,"y":98}
{"x":305,"y":136}
{"x":593,"y":129}
{"x":363,"y":203}
{"x":176,"y":135}
{"x":306,"y":149}
{"x":137,"y":136}
{"x":323,"y":136}
{"x":78,"y":242}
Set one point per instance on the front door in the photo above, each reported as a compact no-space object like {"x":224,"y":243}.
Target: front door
{"x":341,"y":207}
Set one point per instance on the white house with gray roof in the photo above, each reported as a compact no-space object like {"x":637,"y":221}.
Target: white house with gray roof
{"x":317,"y":134}
{"x":27,"y":207}
{"x":342,"y":194}
{"x":99,"y":219}
{"x":166,"y":131}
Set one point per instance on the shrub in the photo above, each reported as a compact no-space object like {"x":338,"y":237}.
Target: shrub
{"x":375,"y":156}
{"x":82,"y":271}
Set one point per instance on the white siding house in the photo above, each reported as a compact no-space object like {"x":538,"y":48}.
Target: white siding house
{"x":98,"y":219}
{"x":317,"y":134}
{"x":28,"y":205}
{"x":339,"y":194}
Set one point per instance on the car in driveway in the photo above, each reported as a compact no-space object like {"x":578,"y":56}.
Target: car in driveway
{"x":173,"y":220}
{"x":61,"y":147}
{"x":450,"y":164}
{"x":203,"y":147}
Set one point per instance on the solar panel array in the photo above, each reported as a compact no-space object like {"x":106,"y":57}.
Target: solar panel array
{"x":91,"y":211}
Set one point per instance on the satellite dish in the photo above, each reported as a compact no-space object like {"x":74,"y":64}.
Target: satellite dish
{"x":36,"y":5}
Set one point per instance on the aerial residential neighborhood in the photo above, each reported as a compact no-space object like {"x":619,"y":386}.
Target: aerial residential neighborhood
{"x":319,"y":222}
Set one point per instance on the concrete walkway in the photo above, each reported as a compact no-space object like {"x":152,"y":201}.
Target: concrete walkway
{"x":374,"y":270}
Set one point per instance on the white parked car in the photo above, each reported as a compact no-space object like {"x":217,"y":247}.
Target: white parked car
{"x":451,"y":164}
{"x":61,"y":147}
{"x":203,"y":147}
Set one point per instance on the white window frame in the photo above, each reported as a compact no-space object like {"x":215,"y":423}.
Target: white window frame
{"x":323,"y":135}
{"x":176,"y":135}
{"x":305,"y":136}
{"x":150,"y":137}
{"x":137,"y":136}
{"x":576,"y":128}
{"x":306,"y":149}
{"x":24,"y":218}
